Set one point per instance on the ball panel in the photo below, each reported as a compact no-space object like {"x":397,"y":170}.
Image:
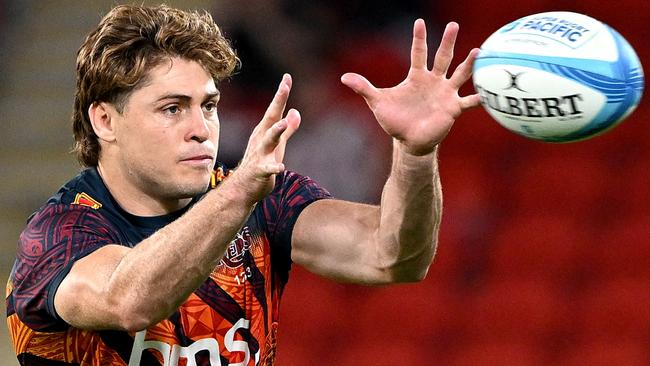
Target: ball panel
{"x":628,"y":64}
{"x":615,"y":90}
{"x":488,"y":57}
{"x":623,"y":92}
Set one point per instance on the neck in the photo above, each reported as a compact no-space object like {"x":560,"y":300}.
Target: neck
{"x":134,"y":200}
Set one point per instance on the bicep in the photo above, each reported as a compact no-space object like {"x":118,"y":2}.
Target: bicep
{"x":81,"y":299}
{"x":337,"y":239}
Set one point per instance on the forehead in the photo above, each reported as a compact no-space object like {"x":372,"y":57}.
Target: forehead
{"x":177,"y":75}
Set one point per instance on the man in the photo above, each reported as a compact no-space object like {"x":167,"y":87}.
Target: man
{"x":157,"y":255}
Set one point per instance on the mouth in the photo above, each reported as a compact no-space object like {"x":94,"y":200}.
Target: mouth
{"x":198,"y":160}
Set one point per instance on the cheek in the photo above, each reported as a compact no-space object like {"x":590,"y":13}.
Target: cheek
{"x":159,"y":145}
{"x":215,"y":129}
{"x":147,"y":144}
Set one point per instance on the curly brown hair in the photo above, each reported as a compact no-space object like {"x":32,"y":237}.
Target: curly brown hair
{"x":114,"y":59}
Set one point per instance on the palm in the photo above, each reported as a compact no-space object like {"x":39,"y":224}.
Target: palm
{"x":419,"y":119}
{"x":421,"y":109}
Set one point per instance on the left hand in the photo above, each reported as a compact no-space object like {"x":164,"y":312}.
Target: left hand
{"x":420,"y":111}
{"x":264,"y":155}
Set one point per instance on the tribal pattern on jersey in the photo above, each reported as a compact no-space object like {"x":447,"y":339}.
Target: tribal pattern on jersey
{"x":231,"y":319}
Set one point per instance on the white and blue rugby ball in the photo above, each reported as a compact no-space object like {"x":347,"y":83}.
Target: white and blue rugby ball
{"x":558,"y":77}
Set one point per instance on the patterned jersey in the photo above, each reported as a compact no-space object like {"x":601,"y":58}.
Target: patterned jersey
{"x":231,"y":319}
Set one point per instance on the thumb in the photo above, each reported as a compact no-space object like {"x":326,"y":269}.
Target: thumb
{"x":359,"y":85}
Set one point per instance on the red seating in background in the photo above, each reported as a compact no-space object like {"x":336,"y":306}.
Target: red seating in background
{"x":624,"y":17}
{"x":618,"y":353}
{"x":388,"y":351}
{"x":466,"y":214}
{"x":448,"y":260}
{"x":516,"y":310}
{"x":425,"y":311}
{"x":634,"y":188}
{"x":571,"y":185}
{"x":465,"y":190}
{"x":379,"y":61}
{"x":622,"y":249}
{"x":354,"y":325}
{"x":615,"y":310}
{"x":546,"y":247}
{"x":314,"y":312}
{"x":494,"y":353}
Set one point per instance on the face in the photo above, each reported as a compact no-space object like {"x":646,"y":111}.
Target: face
{"x":167,"y":134}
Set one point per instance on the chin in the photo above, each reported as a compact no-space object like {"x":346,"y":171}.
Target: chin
{"x":185,"y":183}
{"x":183,"y":191}
{"x":188,"y":188}
{"x":197,"y":187}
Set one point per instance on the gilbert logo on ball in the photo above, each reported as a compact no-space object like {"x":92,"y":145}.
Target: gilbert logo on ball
{"x":558,"y":77}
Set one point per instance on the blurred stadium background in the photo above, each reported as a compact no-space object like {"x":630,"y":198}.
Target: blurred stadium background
{"x":544,"y":254}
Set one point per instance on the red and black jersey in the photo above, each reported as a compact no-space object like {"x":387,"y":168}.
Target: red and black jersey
{"x":231,"y":319}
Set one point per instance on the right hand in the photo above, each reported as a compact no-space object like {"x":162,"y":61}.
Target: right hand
{"x":420,"y":111}
{"x":264,"y":154}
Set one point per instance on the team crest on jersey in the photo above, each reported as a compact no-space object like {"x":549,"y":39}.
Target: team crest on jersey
{"x":234,"y":256}
{"x":84,"y":199}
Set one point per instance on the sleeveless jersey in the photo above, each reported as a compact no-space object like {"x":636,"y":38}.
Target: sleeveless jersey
{"x":231,"y":319}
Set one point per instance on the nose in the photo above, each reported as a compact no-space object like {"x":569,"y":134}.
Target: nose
{"x":199,"y":129}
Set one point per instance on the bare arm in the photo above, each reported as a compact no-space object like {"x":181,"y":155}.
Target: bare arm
{"x":367,"y":244}
{"x":117,"y":287}
{"x":396,"y":241}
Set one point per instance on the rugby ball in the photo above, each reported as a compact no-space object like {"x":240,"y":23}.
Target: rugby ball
{"x":558,"y":77}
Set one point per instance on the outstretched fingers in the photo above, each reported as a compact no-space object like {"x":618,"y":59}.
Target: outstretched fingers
{"x":419,"y":46}
{"x":293,"y":123}
{"x":276,"y":107}
{"x":275,"y":139}
{"x":461,"y":75}
{"x":464,"y":70}
{"x":445,"y":52}
{"x":280,"y":131}
{"x":270,"y":140}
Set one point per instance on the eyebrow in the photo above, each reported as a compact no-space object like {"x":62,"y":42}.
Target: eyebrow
{"x":187,"y":98}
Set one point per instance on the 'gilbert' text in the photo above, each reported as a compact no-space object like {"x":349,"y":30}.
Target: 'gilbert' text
{"x":556,"y":106}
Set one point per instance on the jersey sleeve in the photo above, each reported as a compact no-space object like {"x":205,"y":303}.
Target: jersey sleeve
{"x":55,"y":237}
{"x":292,"y":193}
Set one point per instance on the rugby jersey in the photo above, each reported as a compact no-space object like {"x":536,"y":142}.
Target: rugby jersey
{"x":231,"y":319}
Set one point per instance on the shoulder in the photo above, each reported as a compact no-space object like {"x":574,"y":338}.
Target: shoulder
{"x":59,"y":216}
{"x":72,"y":219}
{"x":80,"y":202}
{"x":62,"y":228}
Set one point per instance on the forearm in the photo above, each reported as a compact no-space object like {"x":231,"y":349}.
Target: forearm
{"x":410,"y":213}
{"x":154,"y":278}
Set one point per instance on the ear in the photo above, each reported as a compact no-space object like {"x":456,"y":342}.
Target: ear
{"x":102,"y":119}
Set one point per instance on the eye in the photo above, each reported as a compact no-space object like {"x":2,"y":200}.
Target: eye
{"x":210,"y":107}
{"x":172,"y":109}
